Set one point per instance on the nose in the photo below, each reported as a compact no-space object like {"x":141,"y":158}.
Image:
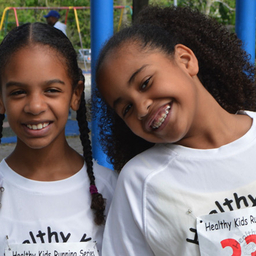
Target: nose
{"x":35,"y":104}
{"x":143,"y":107}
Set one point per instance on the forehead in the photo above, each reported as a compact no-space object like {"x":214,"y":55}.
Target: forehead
{"x":129,"y":56}
{"x":121,"y":51}
{"x":125,"y":53}
{"x":132,"y":47}
{"x":34,"y":55}
{"x":33,"y":64}
{"x":33,"y":49}
{"x":120,"y":60}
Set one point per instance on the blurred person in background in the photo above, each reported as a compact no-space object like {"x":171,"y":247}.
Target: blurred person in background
{"x":52,"y":19}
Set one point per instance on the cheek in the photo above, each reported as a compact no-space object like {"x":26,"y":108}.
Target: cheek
{"x":131,"y":124}
{"x":12,"y":111}
{"x":135,"y":127}
{"x":60,"y":109}
{"x":105,"y":93}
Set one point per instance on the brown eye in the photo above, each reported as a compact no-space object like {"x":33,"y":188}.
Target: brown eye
{"x":52,"y":90}
{"x":17,"y":92}
{"x":145,"y":84}
{"x":127,"y":109}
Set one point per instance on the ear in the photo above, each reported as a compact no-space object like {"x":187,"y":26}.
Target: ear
{"x":76,"y":97}
{"x":187,"y":58}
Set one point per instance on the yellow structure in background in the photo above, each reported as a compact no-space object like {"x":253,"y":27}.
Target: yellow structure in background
{"x":74,"y":8}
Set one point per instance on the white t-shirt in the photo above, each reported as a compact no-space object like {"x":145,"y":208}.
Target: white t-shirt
{"x":162,"y":191}
{"x":61,"y":26}
{"x":34,"y":212}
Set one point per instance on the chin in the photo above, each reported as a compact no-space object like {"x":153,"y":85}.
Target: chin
{"x":35,"y":145}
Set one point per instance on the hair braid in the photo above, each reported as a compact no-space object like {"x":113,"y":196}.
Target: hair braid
{"x":98,"y":202}
{"x":2,"y":116}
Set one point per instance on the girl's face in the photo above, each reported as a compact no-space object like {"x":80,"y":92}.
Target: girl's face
{"x":156,"y":96}
{"x":36,"y":96}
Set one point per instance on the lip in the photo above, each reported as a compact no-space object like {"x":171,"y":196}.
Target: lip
{"x":156,"y":115}
{"x":37,"y":128}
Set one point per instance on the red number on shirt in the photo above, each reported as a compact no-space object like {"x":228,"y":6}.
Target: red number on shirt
{"x":233,"y":244}
{"x":249,"y":239}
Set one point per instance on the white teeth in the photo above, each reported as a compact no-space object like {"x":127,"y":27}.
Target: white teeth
{"x":37,"y":126}
{"x":161,"y":119}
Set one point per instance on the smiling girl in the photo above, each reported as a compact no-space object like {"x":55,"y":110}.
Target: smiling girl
{"x":174,"y":86}
{"x":46,"y":204}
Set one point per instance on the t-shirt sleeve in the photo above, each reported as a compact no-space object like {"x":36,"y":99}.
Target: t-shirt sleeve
{"x":124,"y":232}
{"x":105,"y":180}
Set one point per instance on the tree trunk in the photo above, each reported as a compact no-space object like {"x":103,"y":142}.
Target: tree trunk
{"x":138,"y":5}
{"x":124,"y":19}
{"x":208,"y":6}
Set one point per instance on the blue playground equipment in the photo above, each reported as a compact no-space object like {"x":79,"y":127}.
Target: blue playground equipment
{"x":101,"y":29}
{"x":245,"y":25}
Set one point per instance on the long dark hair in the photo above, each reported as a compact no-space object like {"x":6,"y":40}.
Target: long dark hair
{"x":43,"y":34}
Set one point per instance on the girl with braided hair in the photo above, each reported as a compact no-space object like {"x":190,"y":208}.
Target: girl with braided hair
{"x":49,"y":199}
{"x":178,"y":96}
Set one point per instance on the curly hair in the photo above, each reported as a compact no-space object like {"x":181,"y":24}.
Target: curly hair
{"x":224,"y":67}
{"x":43,"y":34}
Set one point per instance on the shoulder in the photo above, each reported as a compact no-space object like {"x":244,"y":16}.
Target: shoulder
{"x":252,"y":115}
{"x":146,"y":165}
{"x":60,"y":25}
{"x":3,"y":168}
{"x":249,"y":113}
{"x":104,"y":176}
{"x":150,"y":160}
{"x":105,"y":180}
{"x":135,"y":180}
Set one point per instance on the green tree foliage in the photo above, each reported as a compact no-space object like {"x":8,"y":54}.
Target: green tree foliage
{"x":122,"y":17}
{"x":38,"y":15}
{"x":72,"y":28}
{"x":222,"y":10}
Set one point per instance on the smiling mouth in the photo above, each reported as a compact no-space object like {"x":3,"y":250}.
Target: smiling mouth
{"x":37,"y":126}
{"x":160,"y":118}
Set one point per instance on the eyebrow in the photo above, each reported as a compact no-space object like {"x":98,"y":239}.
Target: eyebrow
{"x":12,"y":83}
{"x":49,"y":82}
{"x":136,"y":73}
{"x":133,"y":76}
{"x":54,"y":81}
{"x":116,"y":102}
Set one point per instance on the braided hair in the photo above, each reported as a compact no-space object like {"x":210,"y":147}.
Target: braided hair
{"x":1,"y":126}
{"x":224,"y":68}
{"x":43,"y":34}
{"x":98,"y":202}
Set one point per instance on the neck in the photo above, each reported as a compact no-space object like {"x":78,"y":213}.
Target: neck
{"x":213,"y":126}
{"x":47,"y":164}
